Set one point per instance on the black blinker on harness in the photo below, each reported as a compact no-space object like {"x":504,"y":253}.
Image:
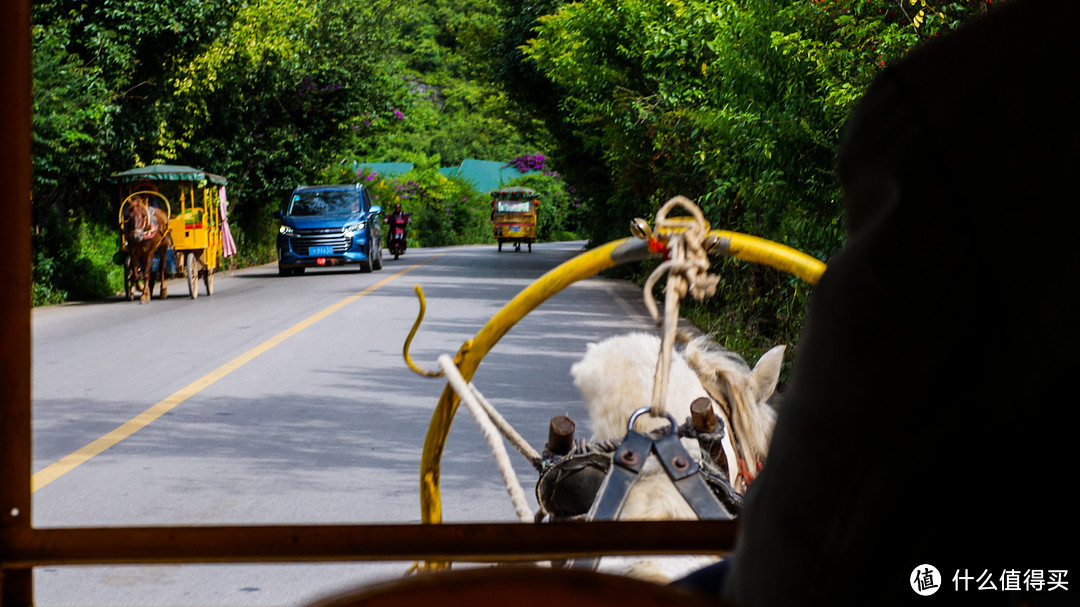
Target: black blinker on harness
{"x":596,"y":485}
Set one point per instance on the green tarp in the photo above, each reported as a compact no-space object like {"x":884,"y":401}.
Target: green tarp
{"x":484,"y":175}
{"x":488,"y":175}
{"x":385,"y":169}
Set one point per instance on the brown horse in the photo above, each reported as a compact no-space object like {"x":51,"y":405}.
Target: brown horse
{"x":146,"y":231}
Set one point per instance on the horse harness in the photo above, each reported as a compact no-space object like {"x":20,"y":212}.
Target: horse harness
{"x":593,"y":485}
{"x":147,"y":231}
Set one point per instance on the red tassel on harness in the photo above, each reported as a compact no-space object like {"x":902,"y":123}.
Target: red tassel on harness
{"x":657,"y":246}
{"x":745,"y":472}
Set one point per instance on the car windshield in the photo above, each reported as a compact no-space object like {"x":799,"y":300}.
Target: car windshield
{"x":512,"y":206}
{"x":325,"y":202}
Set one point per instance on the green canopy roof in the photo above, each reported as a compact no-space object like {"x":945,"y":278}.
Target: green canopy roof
{"x":514,"y":193}
{"x":167,"y":172}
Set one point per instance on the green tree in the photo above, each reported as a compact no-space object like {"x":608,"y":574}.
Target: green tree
{"x":277,"y":97}
{"x":74,"y":111}
{"x":737,"y":104}
{"x":541,"y":99}
{"x":446,"y":211}
{"x":99,"y":67}
{"x":455,"y":111}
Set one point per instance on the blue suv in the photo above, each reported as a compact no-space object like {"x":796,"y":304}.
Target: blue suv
{"x":329,"y":225}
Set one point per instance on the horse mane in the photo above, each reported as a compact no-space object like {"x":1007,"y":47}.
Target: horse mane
{"x":616,"y":376}
{"x":741,"y":392}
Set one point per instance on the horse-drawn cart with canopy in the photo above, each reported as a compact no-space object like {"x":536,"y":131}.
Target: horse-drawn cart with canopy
{"x":194,"y":201}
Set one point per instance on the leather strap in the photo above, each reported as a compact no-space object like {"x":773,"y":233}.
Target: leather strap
{"x":627,"y":462}
{"x":684,"y":472}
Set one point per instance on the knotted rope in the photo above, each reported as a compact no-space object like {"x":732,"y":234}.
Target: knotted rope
{"x":684,"y":240}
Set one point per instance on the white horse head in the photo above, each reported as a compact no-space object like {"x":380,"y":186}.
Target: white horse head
{"x":616,"y":379}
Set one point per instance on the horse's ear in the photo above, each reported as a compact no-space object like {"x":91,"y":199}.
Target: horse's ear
{"x":766,"y":373}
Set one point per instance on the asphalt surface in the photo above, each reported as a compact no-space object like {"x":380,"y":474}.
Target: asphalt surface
{"x":286,"y":400}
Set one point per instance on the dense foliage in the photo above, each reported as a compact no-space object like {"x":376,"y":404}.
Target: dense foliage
{"x":737,"y":104}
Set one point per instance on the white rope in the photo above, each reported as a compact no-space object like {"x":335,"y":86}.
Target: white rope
{"x":507,"y":430}
{"x":491,"y":435}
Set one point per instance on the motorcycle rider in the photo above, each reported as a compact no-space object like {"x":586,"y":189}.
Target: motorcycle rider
{"x":397,"y":218}
{"x":397,"y":215}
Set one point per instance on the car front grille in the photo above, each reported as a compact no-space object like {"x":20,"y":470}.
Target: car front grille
{"x":303,"y":240}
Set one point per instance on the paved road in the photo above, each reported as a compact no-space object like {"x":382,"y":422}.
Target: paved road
{"x":286,"y":401}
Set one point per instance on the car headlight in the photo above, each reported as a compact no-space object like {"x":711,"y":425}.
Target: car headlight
{"x":286,"y":230}
{"x":353,"y":228}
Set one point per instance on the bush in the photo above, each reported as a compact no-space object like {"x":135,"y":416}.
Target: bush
{"x":73,"y":260}
{"x":45,"y":292}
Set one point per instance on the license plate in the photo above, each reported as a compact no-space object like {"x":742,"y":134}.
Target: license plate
{"x":321,"y":251}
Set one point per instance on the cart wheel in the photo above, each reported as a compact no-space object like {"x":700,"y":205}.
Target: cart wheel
{"x":530,"y":246}
{"x":500,"y":246}
{"x":192,"y":275}
{"x":208,"y":279}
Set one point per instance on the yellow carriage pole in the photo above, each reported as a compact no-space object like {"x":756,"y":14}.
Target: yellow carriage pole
{"x":732,"y":244}
{"x":769,"y":253}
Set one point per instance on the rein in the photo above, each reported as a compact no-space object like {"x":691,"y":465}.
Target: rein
{"x":685,"y":243}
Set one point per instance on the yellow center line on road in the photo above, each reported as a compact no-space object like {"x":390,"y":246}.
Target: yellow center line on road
{"x":140,"y":421}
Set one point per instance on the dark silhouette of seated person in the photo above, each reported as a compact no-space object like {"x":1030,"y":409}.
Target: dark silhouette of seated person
{"x":928,"y":418}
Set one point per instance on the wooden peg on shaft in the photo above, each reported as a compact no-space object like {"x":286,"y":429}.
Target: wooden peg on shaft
{"x":560,"y":435}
